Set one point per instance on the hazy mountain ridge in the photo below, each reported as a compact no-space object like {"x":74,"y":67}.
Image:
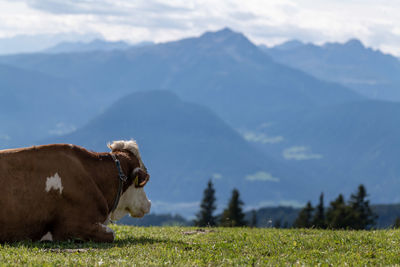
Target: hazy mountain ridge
{"x":367,"y":71}
{"x":215,"y":69}
{"x":38,"y":42}
{"x":94,"y":45}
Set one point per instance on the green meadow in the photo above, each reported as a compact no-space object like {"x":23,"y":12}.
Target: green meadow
{"x":188,"y":246}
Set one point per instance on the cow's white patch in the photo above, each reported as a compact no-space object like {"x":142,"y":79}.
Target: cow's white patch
{"x":133,"y":201}
{"x":54,"y":182}
{"x":47,"y":237}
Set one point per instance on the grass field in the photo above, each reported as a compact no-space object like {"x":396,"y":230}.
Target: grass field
{"x":184,"y":246}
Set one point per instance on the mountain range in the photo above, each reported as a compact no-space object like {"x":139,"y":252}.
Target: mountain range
{"x":215,"y":106}
{"x":33,"y":43}
{"x":222,"y":70}
{"x":365,"y":70}
{"x":94,"y":45}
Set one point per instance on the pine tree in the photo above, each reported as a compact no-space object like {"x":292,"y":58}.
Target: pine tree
{"x":337,"y":215}
{"x":361,"y":217}
{"x":207,"y":207}
{"x":318,"y":220}
{"x":303,"y":220}
{"x":278,"y":223}
{"x":233,"y":215}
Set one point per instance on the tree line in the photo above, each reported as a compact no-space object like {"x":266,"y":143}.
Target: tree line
{"x":355,"y":214}
{"x":232,"y":216}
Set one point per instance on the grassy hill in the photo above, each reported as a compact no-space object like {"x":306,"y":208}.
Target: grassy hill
{"x":182,"y":246}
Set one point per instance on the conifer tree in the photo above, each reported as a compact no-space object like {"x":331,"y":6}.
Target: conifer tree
{"x":303,"y":220}
{"x":278,"y":223}
{"x":337,"y":215}
{"x":318,"y":220}
{"x":205,"y":216}
{"x":233,"y":215}
{"x":361,"y":217}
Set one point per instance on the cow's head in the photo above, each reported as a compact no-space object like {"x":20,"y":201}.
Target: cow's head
{"x":133,"y":200}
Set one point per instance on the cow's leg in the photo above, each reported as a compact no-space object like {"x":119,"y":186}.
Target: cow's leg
{"x":96,"y":232}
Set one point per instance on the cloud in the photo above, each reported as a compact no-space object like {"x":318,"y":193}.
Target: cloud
{"x":69,"y":7}
{"x":217,"y":176}
{"x":62,"y":128}
{"x":243,"y":15}
{"x":262,"y":176}
{"x":103,"y":7}
{"x":262,"y":138}
{"x":300,"y":153}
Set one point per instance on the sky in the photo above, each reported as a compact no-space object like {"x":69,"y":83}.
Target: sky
{"x":375,"y":22}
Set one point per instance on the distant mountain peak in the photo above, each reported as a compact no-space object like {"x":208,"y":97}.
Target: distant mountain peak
{"x":223,"y":31}
{"x":226,"y":30}
{"x":355,"y":43}
{"x":223,"y":35}
{"x":350,"y":44}
{"x":236,"y":44}
{"x":291,"y":44}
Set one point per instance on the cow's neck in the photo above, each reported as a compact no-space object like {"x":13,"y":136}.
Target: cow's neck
{"x":107,"y":177}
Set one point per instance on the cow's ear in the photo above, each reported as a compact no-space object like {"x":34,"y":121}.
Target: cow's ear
{"x":140,"y":177}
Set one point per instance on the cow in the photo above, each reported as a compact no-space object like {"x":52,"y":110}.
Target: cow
{"x":61,"y":192}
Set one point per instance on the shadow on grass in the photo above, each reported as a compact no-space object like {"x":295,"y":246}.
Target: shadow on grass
{"x":80,"y":246}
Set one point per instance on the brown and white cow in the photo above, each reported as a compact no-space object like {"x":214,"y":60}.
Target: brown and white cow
{"x":61,"y":191}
